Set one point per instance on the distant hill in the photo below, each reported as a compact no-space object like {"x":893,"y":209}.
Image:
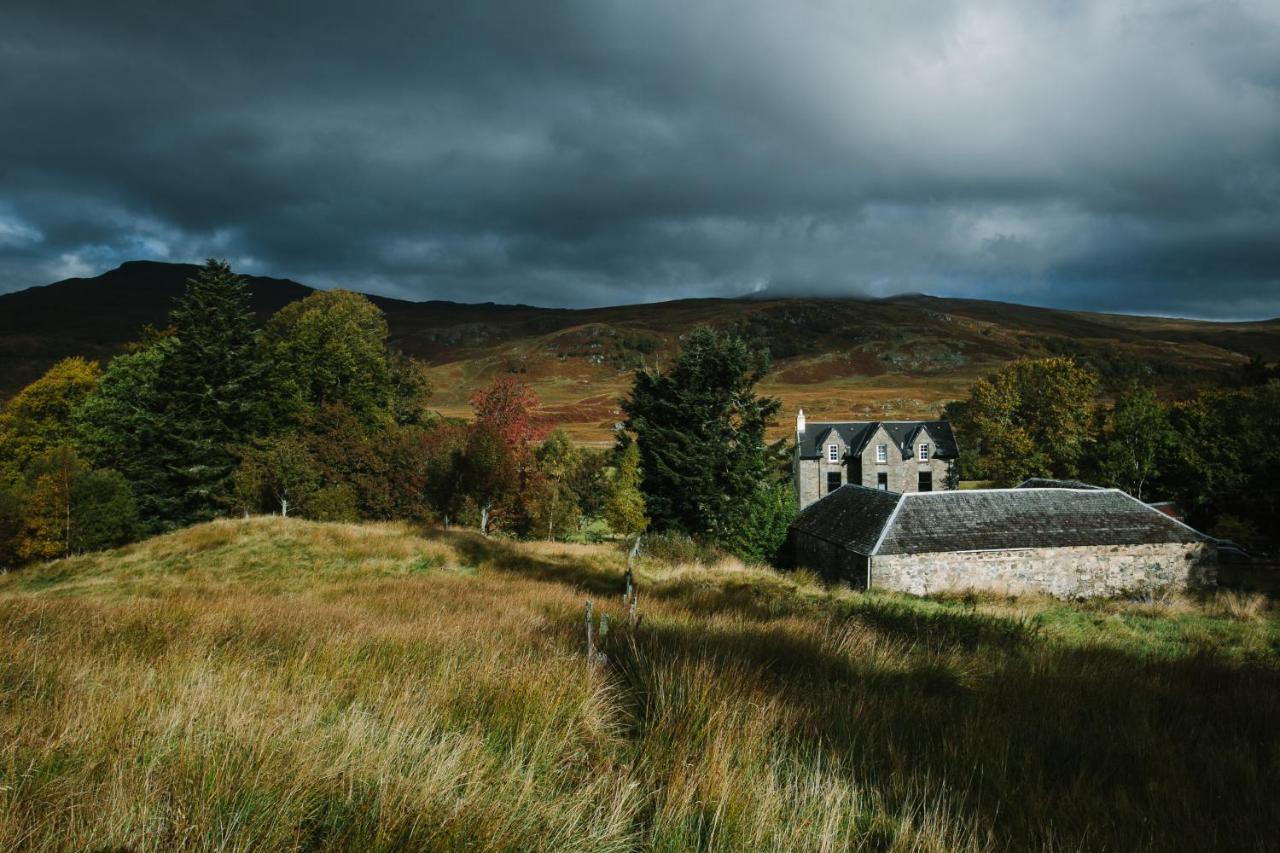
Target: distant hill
{"x":838,"y":358}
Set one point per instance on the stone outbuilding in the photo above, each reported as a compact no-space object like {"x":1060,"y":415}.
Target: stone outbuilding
{"x":1070,"y":542}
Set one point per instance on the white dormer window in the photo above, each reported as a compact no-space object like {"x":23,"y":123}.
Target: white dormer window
{"x":833,"y":453}
{"x":882,"y":453}
{"x":924,"y":453}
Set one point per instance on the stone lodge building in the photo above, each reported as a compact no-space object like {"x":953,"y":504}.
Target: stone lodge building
{"x":894,"y":456}
{"x":1064,"y":541}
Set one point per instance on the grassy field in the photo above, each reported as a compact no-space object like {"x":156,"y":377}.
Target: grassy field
{"x":273,"y":684}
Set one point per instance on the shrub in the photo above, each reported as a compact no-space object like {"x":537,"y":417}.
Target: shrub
{"x":675,"y":548}
{"x":334,"y":503}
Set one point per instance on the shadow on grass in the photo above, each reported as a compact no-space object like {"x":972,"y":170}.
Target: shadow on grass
{"x":1050,"y":748}
{"x":934,"y":625}
{"x":939,"y":627}
{"x":581,"y":572}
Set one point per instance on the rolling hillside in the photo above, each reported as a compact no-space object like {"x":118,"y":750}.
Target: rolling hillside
{"x":279,"y":684}
{"x":898,"y":357}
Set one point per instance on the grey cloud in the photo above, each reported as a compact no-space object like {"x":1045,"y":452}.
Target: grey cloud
{"x":1108,"y":155}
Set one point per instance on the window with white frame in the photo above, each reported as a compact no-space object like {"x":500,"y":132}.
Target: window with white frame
{"x":924,"y":453}
{"x":833,"y":453}
{"x":882,"y":453}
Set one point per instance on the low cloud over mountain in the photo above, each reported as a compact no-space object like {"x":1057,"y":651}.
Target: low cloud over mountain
{"x":1104,"y":155}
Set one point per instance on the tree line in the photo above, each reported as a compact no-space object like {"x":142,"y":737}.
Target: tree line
{"x":1215,"y":453}
{"x":313,"y":414}
{"x":310,"y":415}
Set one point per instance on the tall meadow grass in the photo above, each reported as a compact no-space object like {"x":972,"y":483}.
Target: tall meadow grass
{"x":279,"y":684}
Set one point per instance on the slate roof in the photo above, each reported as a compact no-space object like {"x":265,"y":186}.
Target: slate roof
{"x":857,"y":434}
{"x":874,"y":522}
{"x":852,"y":516}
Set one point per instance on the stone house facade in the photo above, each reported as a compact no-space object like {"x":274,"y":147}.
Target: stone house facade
{"x":1064,"y":541}
{"x":893,"y":456}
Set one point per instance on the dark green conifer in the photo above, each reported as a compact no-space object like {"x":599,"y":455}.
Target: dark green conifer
{"x":700,"y":431}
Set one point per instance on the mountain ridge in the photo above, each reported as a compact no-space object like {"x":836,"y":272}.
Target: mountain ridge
{"x":899,"y":356}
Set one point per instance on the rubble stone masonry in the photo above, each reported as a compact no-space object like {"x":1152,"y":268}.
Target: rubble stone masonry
{"x":1077,"y":572}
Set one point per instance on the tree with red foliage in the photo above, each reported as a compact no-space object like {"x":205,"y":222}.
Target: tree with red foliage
{"x":498,"y":458}
{"x":507,"y":406}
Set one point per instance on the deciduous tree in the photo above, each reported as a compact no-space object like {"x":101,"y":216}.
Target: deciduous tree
{"x":39,"y":417}
{"x":331,"y":349}
{"x":625,"y":509}
{"x":67,"y":507}
{"x":1136,"y":441}
{"x":1031,"y":418}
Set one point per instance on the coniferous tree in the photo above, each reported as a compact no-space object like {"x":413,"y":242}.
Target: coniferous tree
{"x":215,"y":383}
{"x":700,"y":434}
{"x":170,"y":415}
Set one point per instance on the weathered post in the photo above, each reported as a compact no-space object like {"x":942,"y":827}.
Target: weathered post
{"x":591,"y":646}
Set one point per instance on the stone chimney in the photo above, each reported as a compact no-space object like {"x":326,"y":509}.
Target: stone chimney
{"x":800,"y":423}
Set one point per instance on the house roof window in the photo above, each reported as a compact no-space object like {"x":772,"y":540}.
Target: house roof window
{"x":882,"y":453}
{"x":924,"y":452}
{"x":833,"y":453}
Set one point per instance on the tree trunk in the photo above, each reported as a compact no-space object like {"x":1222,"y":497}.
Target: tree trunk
{"x":66,"y":486}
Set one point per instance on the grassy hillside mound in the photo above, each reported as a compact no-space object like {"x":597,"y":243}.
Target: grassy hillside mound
{"x":280,"y":684}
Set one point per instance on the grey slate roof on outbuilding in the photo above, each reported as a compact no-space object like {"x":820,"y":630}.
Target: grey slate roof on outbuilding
{"x":852,"y":516}
{"x":872,"y":522}
{"x":857,"y":434}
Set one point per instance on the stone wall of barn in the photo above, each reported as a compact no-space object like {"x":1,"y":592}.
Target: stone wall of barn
{"x":835,"y":563}
{"x":1079,"y":572}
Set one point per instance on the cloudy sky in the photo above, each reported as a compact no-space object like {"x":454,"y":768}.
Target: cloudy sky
{"x":1105,"y":155}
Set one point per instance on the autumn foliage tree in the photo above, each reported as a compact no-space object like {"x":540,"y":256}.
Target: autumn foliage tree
{"x":1032,"y":418}
{"x":68,"y":507}
{"x":498,"y":465}
{"x":38,"y":418}
{"x":625,"y":510}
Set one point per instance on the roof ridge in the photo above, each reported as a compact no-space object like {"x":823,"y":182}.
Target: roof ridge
{"x":1148,"y":506}
{"x":1090,"y":489}
{"x":909,"y":421}
{"x":888,"y":523}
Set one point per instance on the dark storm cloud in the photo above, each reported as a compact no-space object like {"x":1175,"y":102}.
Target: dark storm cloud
{"x":1109,"y":155}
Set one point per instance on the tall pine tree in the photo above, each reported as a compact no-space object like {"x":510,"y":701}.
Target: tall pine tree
{"x":216,"y":389}
{"x":171,"y":416}
{"x":700,"y":432}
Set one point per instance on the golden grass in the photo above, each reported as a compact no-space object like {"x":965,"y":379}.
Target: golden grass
{"x":280,"y":684}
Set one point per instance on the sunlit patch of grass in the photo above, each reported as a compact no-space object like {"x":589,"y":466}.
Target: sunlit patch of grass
{"x":280,"y":684}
